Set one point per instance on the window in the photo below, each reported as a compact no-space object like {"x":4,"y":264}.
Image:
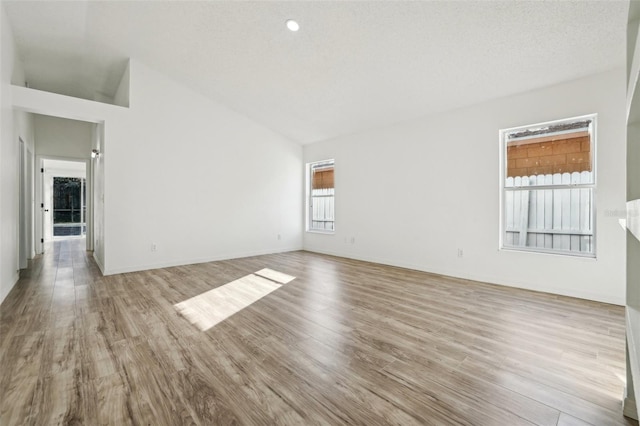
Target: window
{"x":320,"y":178}
{"x":548,"y":182}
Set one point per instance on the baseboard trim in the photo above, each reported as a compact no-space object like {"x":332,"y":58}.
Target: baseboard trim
{"x":16,"y":278}
{"x":472,"y":277}
{"x":629,"y":408}
{"x":100,"y":266}
{"x":169,"y":264}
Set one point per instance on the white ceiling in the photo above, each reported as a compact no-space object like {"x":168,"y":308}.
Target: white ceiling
{"x":352,"y":66}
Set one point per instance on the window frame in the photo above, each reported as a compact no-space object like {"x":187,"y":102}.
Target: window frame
{"x":308,"y":198}
{"x":503,"y":133}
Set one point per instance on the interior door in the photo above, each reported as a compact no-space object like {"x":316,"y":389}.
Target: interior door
{"x":23,"y":251}
{"x":31,"y":203}
{"x":47,"y":208}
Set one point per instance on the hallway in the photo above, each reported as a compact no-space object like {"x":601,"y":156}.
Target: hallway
{"x":39,"y":326}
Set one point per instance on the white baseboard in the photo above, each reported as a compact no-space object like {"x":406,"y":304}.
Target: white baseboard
{"x":633,"y":362}
{"x":100,"y":265}
{"x":181,"y":262}
{"x":5,"y":291}
{"x":474,"y":277}
{"x":629,"y":408}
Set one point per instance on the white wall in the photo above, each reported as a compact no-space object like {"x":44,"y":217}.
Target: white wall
{"x":121,"y":97}
{"x":413,"y":193}
{"x":59,"y":137}
{"x":196,"y":179}
{"x":12,"y":127}
{"x":8,"y":171}
{"x":185,"y":173}
{"x":97,"y":200}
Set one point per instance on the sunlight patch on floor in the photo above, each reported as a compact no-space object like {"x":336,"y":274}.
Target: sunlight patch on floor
{"x":276,"y":276}
{"x":214,"y":306}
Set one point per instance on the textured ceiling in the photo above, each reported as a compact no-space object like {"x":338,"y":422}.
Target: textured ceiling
{"x":352,"y":66}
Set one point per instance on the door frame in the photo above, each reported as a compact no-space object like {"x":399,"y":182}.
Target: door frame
{"x":39,"y":199}
{"x":25,"y":200}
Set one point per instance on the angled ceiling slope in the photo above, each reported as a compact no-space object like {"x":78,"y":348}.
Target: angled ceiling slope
{"x":350,"y":67}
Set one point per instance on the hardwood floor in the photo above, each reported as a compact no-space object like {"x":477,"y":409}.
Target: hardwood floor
{"x":345,"y":342}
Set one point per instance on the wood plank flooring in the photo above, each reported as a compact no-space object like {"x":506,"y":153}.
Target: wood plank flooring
{"x":346,"y":342}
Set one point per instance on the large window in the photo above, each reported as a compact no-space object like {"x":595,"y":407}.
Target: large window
{"x":321,"y":196}
{"x":548,"y":182}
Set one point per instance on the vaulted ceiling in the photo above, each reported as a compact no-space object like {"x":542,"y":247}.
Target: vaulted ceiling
{"x":351,"y":66}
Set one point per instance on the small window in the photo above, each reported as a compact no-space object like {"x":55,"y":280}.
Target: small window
{"x":321,"y":197}
{"x":548,"y":182}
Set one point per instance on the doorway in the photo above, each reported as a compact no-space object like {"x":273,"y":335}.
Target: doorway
{"x":69,"y":208}
{"x":26,"y":248}
{"x":65,"y":206}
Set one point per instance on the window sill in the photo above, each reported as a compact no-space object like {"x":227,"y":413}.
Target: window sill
{"x":574,"y":255}
{"x":319,"y":231}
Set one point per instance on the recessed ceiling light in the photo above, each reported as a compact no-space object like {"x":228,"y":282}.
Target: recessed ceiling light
{"x":292,"y":25}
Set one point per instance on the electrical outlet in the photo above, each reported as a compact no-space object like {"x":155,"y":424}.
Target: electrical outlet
{"x":460,"y":253}
{"x":353,"y":240}
{"x":279,"y":237}
{"x":153,"y":247}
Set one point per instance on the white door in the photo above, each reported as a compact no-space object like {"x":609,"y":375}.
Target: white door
{"x":31,"y":203}
{"x":47,"y":207}
{"x":23,"y":249}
